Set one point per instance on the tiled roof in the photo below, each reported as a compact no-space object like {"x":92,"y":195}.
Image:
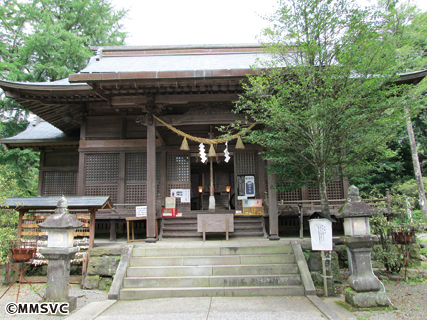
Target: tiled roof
{"x":172,"y":63}
{"x":38,"y":132}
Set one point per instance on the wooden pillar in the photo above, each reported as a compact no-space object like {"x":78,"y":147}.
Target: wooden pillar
{"x":112,"y":230}
{"x":81,"y":174}
{"x":151,"y":179}
{"x":92,"y":227}
{"x":40,"y":191}
{"x":21,"y":216}
{"x":163,"y":178}
{"x":261,"y":176}
{"x":273,"y":216}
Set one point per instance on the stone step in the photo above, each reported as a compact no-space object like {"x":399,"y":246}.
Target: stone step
{"x":211,"y":260}
{"x":181,"y":234}
{"x":212,"y":281}
{"x":210,"y":251}
{"x":211,"y":270}
{"x":247,"y":233}
{"x":156,"y":293}
{"x":179,"y":227}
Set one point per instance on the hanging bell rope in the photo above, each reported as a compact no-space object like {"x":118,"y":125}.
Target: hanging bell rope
{"x":205,"y":140}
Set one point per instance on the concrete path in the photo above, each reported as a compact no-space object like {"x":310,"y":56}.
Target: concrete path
{"x":216,"y":308}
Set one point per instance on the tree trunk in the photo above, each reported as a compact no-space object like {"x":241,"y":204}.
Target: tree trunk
{"x":416,"y":162}
{"x":321,"y":180}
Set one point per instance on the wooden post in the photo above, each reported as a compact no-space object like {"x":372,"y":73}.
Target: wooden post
{"x":92,"y":227}
{"x":112,"y":230}
{"x":273,"y":215}
{"x":151,"y":179}
{"x":163,"y":183}
{"x":21,"y":216}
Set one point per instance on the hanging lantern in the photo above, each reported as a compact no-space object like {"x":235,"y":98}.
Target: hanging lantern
{"x":212,"y":151}
{"x":184,"y":145}
{"x":239,"y":144}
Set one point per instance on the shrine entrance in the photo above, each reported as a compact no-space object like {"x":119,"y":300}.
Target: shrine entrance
{"x":223,"y":182}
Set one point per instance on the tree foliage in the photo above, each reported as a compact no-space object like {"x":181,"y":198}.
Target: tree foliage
{"x":326,"y":97}
{"x":43,"y":40}
{"x":46,"y":40}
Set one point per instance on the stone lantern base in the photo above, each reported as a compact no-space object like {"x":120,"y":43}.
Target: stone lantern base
{"x":367,"y":299}
{"x":58,"y":275}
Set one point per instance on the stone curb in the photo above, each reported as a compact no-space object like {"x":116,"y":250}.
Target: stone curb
{"x":307,"y":282}
{"x":92,"y":310}
{"x":326,"y":310}
{"x":114,"y":292}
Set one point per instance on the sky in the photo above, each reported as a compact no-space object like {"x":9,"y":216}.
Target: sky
{"x":182,"y":22}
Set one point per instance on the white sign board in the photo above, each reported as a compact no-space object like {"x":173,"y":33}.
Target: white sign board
{"x":141,"y":211}
{"x":321,"y":234}
{"x":183,"y":194}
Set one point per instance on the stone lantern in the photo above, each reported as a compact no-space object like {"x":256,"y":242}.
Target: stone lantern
{"x":60,"y":238}
{"x":368,"y":291}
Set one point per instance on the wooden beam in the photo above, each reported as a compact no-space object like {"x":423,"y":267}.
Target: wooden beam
{"x":130,"y":143}
{"x":138,"y":100}
{"x":161,"y":140}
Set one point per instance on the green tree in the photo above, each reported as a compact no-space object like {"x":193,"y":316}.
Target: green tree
{"x":46,"y":40}
{"x":326,"y":97}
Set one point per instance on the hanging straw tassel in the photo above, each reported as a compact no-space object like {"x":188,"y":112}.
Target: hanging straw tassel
{"x":212,"y":151}
{"x":184,"y":145}
{"x":239,"y":144}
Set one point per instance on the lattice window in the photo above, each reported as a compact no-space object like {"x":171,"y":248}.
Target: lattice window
{"x":289,"y":195}
{"x":136,"y":194}
{"x":103,"y":190}
{"x":178,"y":167}
{"x":136,"y":167}
{"x":102,"y":168}
{"x":246,"y":163}
{"x":334,"y":191}
{"x":58,"y":183}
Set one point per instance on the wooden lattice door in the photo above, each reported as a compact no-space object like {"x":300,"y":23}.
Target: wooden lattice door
{"x":136,"y":178}
{"x":102,"y":175}
{"x":245,"y":163}
{"x":179,"y":176}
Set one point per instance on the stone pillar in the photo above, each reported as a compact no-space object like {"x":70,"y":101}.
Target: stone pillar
{"x":58,"y":274}
{"x":367,"y":290}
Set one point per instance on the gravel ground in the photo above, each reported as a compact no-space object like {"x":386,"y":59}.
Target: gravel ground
{"x":410,"y":299}
{"x":27,"y":295}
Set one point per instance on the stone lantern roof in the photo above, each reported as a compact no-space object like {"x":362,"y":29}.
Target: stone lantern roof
{"x":354,"y":206}
{"x":61,"y":219}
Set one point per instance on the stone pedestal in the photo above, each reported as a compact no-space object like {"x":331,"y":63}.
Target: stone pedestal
{"x":58,"y":274}
{"x":368,"y":291}
{"x":367,"y":299}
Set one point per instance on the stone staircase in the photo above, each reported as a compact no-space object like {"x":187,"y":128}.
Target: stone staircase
{"x":244,"y":226}
{"x":211,"y":271}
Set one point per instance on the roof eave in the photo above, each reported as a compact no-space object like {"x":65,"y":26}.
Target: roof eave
{"x":161,"y":75}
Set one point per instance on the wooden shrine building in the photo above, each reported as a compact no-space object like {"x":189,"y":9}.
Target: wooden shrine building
{"x":105,"y":131}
